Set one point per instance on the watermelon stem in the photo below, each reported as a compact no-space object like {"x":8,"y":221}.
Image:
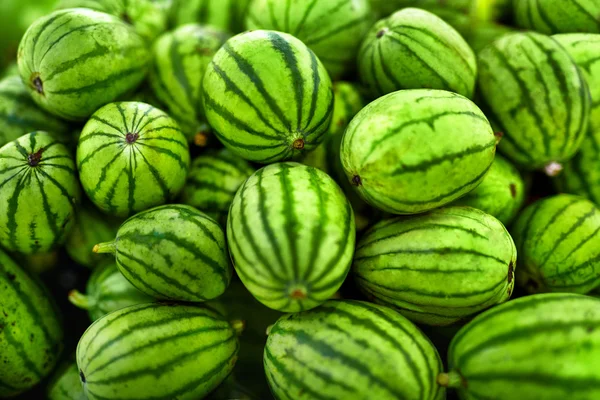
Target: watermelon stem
{"x":79,"y":299}
{"x":452,"y":379}
{"x":106,"y":247}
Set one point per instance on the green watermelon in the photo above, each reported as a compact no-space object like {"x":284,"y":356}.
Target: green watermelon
{"x":557,"y":242}
{"x":131,"y":156}
{"x":156,"y":351}
{"x":582,"y":174}
{"x":39,"y":192}
{"x":181,"y":58}
{"x":533,"y":92}
{"x":351,"y":350}
{"x":333,"y":29}
{"x":65,"y":384}
{"x":222,"y":14}
{"x":551,"y":16}
{"x":20,"y":115}
{"x":485,"y":33}
{"x":267,"y":96}
{"x":107,"y":290}
{"x":147,"y":16}
{"x":172,"y":252}
{"x":90,"y":228}
{"x":544,"y":346}
{"x":76,"y":60}
{"x":31,"y":336}
{"x":213,"y":180}
{"x":408,"y":138}
{"x":386,"y":7}
{"x":291,"y":236}
{"x":437,"y":268}
{"x":415,"y":49}
{"x":501,"y":193}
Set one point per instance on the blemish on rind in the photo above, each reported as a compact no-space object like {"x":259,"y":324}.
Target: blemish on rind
{"x":298,"y":294}
{"x":34,"y":159}
{"x":131,"y":137}
{"x":298,"y":144}
{"x":37,"y":83}
{"x":511,"y":272}
{"x":356,"y":181}
{"x":381,"y":32}
{"x":82,"y":376}
{"x":513,"y":190}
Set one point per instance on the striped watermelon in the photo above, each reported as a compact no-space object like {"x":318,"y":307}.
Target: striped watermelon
{"x":415,"y":49}
{"x":544,"y":346}
{"x":39,"y":192}
{"x":557,"y":241}
{"x":351,"y":350}
{"x":76,"y":60}
{"x":30,"y":330}
{"x":65,"y":384}
{"x":437,"y":268}
{"x":213,"y":180}
{"x":333,"y":29}
{"x":551,"y":16}
{"x":20,"y":115}
{"x":291,"y":236}
{"x":131,"y":156}
{"x":107,"y":290}
{"x":90,"y":228}
{"x":534,"y":93}
{"x":501,"y":193}
{"x":156,"y":351}
{"x":223,"y":14}
{"x":147,"y":16}
{"x":172,"y":252}
{"x":267,"y":96}
{"x":414,"y":150}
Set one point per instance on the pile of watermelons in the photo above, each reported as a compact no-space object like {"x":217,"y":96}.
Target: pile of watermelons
{"x":302,"y":200}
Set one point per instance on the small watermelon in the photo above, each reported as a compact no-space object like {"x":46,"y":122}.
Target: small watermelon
{"x":65,"y":383}
{"x":551,"y":16}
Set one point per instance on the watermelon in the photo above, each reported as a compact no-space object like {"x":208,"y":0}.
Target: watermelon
{"x":351,"y":350}
{"x":40,"y":191}
{"x":437,"y":268}
{"x":172,"y":252}
{"x":181,"y":58}
{"x":557,"y":242}
{"x":415,"y":49}
{"x":582,"y":174}
{"x":386,"y":7}
{"x":107,"y":290}
{"x":146,"y":16}
{"x":550,"y":16}
{"x":501,"y":193}
{"x":411,"y":137}
{"x":291,"y":236}
{"x":156,"y":351}
{"x":90,"y":228}
{"x":20,"y":115}
{"x":223,"y":14}
{"x":485,"y":33}
{"x":76,"y":60}
{"x":30,"y":330}
{"x":65,"y":383}
{"x":38,"y":263}
{"x":267,"y":96}
{"x":544,"y":346}
{"x":533,"y":92}
{"x":213,"y":180}
{"x":131,"y":157}
{"x":333,"y":29}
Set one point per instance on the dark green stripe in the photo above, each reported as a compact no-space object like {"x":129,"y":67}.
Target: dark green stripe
{"x":319,"y":127}
{"x":107,"y":123}
{"x":166,"y":152}
{"x":123,"y":117}
{"x":166,"y":193}
{"x":314,"y":41}
{"x":105,"y":83}
{"x":580,"y":244}
{"x":103,"y":172}
{"x":289,"y":216}
{"x":307,"y":11}
{"x":13,"y":208}
{"x":51,"y":218}
{"x":446,"y":251}
{"x":315,"y":89}
{"x":93,"y":135}
{"x":178,"y":69}
{"x":21,"y":351}
{"x":318,"y":225}
{"x":63,"y":191}
{"x":540,"y":233}
{"x":131,"y":184}
{"x":34,"y":40}
{"x":64,"y":35}
{"x":569,"y":384}
{"x":96,"y":151}
{"x":65,"y":66}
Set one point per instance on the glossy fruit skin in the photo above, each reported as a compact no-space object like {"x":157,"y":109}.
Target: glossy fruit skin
{"x":555,"y":239}
{"x":74,"y":61}
{"x":131,"y":156}
{"x":40,"y":191}
{"x":547,"y":16}
{"x":408,"y":137}
{"x":31,"y":338}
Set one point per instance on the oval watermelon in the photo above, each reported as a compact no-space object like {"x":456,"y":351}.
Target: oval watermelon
{"x":550,"y":16}
{"x":172,"y":252}
{"x":414,"y":49}
{"x":351,"y":350}
{"x":131,"y":156}
{"x":267,"y":96}
{"x":544,"y":346}
{"x":76,"y":60}
{"x":39,"y":192}
{"x":65,"y":384}
{"x":411,"y":137}
{"x":223,"y":14}
{"x":291,"y":236}
{"x":31,"y":336}
{"x":156,"y":351}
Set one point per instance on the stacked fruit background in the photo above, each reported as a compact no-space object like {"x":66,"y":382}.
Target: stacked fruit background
{"x":300,"y":199}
